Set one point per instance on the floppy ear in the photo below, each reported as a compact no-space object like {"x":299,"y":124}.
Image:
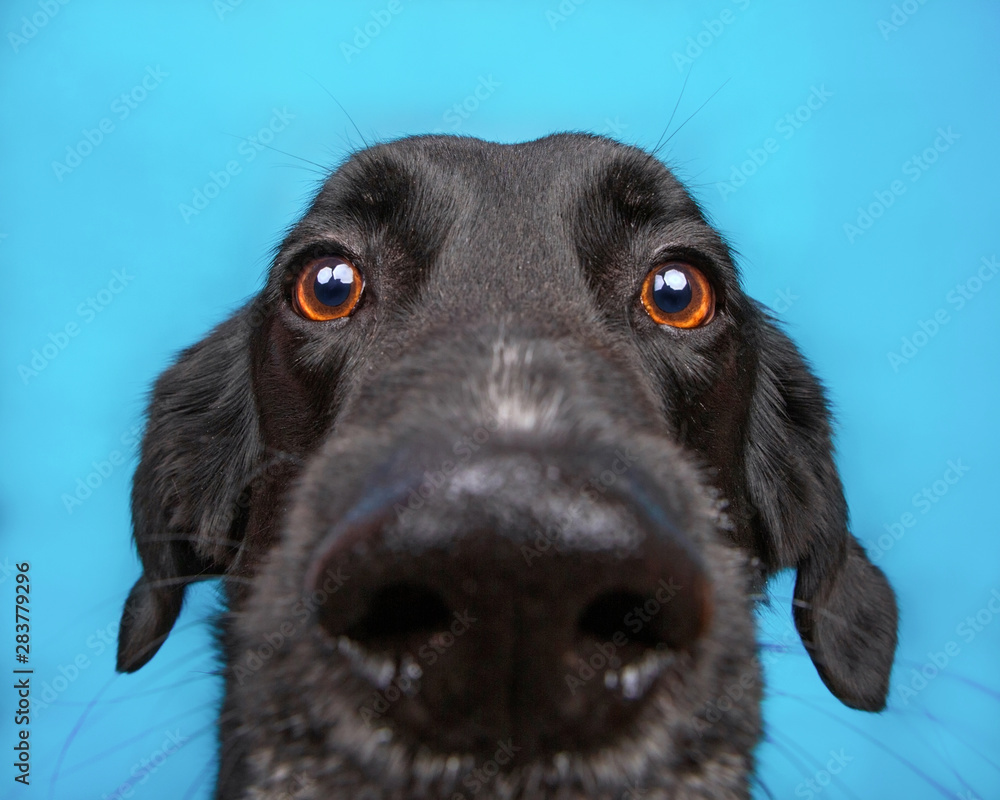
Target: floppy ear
{"x":189,"y":501}
{"x":844,"y":608}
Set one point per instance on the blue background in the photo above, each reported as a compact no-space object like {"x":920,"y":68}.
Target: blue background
{"x":849,"y":299}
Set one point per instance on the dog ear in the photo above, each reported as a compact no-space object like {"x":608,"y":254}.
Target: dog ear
{"x":189,"y":492}
{"x":844,"y":608}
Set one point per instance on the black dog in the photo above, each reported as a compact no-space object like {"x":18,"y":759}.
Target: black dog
{"x":493,"y":468}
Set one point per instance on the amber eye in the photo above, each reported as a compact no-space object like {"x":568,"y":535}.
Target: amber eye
{"x":678,"y":295}
{"x":328,"y":288}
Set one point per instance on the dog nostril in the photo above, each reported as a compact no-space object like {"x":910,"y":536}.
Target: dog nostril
{"x":647,"y":620}
{"x":398,"y":611}
{"x":606,"y":617}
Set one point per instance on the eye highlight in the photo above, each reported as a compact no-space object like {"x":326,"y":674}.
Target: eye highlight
{"x":328,"y":288}
{"x":678,"y":295}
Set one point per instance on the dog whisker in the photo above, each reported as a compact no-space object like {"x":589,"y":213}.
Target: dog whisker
{"x":152,"y":730}
{"x":692,"y":116}
{"x":803,"y":761}
{"x":875,"y":741}
{"x":344,"y":110}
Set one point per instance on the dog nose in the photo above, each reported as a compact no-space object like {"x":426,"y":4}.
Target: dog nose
{"x":514,"y":601}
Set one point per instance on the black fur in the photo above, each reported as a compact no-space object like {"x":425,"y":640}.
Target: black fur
{"x":500,"y":331}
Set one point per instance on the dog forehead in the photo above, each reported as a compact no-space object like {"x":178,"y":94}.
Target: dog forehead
{"x":535,"y":189}
{"x":479,"y":162}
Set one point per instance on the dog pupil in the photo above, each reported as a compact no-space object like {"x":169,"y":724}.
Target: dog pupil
{"x":333,"y":284}
{"x":671,"y":291}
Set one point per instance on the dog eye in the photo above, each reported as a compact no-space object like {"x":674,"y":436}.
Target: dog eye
{"x":678,"y":295}
{"x":328,"y":288}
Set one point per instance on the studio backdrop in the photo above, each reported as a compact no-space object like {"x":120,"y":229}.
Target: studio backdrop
{"x":153,"y":154}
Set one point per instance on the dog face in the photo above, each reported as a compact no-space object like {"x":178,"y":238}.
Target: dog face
{"x":493,"y":467}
